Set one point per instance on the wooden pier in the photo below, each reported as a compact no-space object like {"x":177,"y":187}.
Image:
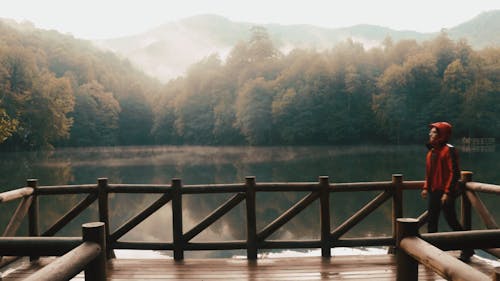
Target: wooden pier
{"x":91,"y":256}
{"x":373,"y":267}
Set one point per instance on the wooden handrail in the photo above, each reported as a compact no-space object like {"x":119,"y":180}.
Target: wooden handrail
{"x":15,"y":194}
{"x":445,"y":265}
{"x":46,"y":246}
{"x":456,"y":240}
{"x":139,"y":188}
{"x":69,"y":265}
{"x":414,"y":250}
{"x":219,"y":188}
{"x":241,"y":192}
{"x":88,"y":253}
{"x":67,"y":189}
{"x":483,"y":187}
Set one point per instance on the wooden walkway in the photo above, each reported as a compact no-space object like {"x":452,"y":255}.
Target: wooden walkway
{"x":371,"y":267}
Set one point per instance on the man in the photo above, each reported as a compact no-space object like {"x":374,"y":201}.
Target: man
{"x":441,"y":181}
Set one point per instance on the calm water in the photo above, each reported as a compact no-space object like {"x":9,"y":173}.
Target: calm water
{"x":199,"y":164}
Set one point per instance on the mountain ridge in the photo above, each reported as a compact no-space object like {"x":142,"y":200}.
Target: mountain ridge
{"x":167,"y":51}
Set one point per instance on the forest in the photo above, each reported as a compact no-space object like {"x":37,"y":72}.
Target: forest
{"x":56,"y":90}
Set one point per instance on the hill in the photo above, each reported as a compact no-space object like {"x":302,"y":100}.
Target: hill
{"x":481,"y":31}
{"x":57,"y":89}
{"x":165,"y":52}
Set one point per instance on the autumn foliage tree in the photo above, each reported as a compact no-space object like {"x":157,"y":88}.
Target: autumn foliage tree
{"x":58,"y":90}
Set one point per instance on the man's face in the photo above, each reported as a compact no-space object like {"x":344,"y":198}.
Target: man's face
{"x":433,"y":134}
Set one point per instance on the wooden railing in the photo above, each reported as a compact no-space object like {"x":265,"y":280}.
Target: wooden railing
{"x":87,"y":253}
{"x":255,"y":239}
{"x":413,"y":249}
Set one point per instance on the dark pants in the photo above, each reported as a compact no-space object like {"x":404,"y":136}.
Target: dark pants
{"x":449,"y":213}
{"x":448,"y":208}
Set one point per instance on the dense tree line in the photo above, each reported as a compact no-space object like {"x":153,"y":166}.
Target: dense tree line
{"x":57,"y":90}
{"x":343,"y":95}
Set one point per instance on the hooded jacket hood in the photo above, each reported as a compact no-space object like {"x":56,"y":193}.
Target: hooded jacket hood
{"x":444,"y":131}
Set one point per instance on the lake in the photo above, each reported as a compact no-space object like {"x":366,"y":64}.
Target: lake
{"x":204,"y":164}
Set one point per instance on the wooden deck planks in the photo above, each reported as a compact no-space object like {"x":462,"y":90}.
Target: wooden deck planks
{"x":373,"y":268}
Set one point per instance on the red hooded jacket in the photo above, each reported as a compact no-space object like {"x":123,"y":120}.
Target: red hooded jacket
{"x":442,"y":168}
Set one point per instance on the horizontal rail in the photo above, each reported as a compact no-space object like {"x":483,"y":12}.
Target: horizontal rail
{"x":66,"y":189}
{"x":69,"y":265}
{"x":222,"y":188}
{"x":213,"y":188}
{"x":87,"y":253}
{"x":135,"y":245}
{"x":207,"y":246}
{"x":364,"y":242}
{"x":138,"y":188}
{"x":268,"y":244}
{"x":359,"y":186}
{"x":228,"y":188}
{"x":15,"y":194}
{"x":286,"y":186}
{"x":475,"y":239}
{"x":483,"y":187}
{"x":412,"y":185}
{"x":344,"y":242}
{"x":42,"y":246}
{"x":445,"y":265}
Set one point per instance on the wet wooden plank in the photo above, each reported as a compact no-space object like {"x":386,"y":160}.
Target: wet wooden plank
{"x":373,"y":268}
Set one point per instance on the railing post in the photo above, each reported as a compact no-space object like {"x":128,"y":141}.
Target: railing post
{"x":465,"y":210}
{"x":33,"y":212}
{"x":397,"y":203}
{"x":324,"y":184}
{"x":177,"y":219}
{"x":251,"y":219}
{"x":495,"y":276}
{"x":406,"y":266}
{"x":96,"y":232}
{"x":102,"y":190}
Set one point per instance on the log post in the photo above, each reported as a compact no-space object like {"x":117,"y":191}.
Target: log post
{"x":177,"y":219}
{"x":102,"y":190}
{"x":251,"y":219}
{"x":465,"y":210}
{"x":407,"y":267}
{"x":96,"y":232}
{"x":397,"y":204}
{"x":324,"y":185}
{"x":33,"y":212}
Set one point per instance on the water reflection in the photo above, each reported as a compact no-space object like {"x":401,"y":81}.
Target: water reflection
{"x":198,"y":164}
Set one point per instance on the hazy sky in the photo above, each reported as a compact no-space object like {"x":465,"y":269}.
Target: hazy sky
{"x":92,"y":19}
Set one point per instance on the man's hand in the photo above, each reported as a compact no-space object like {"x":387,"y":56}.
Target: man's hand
{"x":444,"y":198}
{"x":424,"y":193}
